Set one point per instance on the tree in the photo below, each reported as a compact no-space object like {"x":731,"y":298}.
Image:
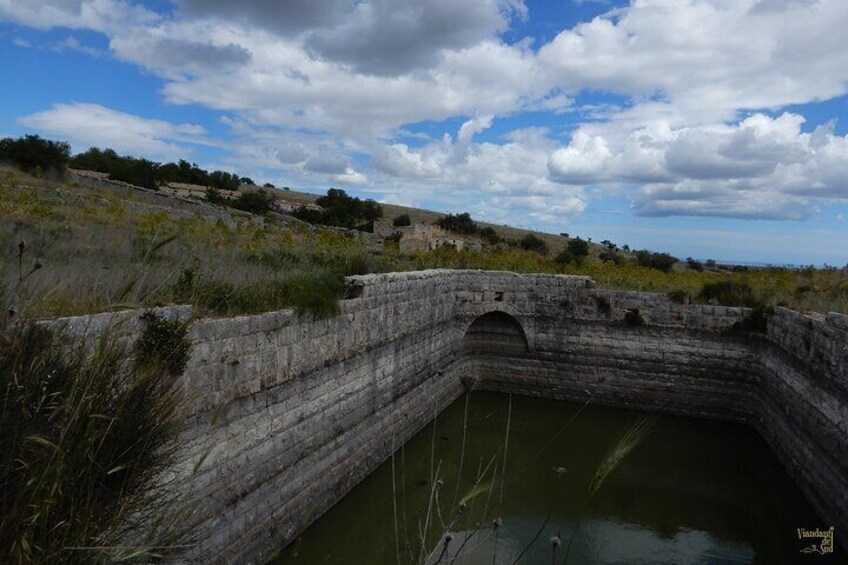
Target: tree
{"x":490,"y":235}
{"x":611,"y":255}
{"x":458,"y":223}
{"x":138,"y":172}
{"x":339,"y":209}
{"x":257,"y":202}
{"x":401,"y":221}
{"x":660,"y":261}
{"x":694,"y":265}
{"x":575,"y":251}
{"x":531,"y":242}
{"x":371,"y":210}
{"x":32,"y":153}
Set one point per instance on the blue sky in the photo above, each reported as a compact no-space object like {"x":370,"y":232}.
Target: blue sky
{"x":705,"y":128}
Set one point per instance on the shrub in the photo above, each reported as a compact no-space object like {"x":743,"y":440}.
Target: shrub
{"x":575,"y":251}
{"x":694,"y":265}
{"x":612,"y":256}
{"x":163,"y":342}
{"x":402,"y":220}
{"x":633,"y":317}
{"x":339,"y":209}
{"x":86,"y":434}
{"x":32,"y":153}
{"x":678,"y":296}
{"x":659,"y":261}
{"x":603,"y":304}
{"x":578,"y":247}
{"x":257,"y":202}
{"x":489,"y":235}
{"x":728,"y":293}
{"x":756,"y":321}
{"x":458,"y":223}
{"x":531,"y":242}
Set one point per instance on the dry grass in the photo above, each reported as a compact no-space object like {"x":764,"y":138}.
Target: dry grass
{"x":100,"y":250}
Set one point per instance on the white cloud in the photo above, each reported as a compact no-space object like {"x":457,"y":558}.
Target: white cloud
{"x":709,"y":58}
{"x":762,"y":167}
{"x":87,"y":125}
{"x":309,"y":87}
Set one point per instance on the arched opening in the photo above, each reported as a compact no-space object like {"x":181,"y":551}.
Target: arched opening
{"x":495,"y":333}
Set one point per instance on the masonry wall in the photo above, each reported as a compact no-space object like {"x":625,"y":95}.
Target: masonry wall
{"x":285,"y":414}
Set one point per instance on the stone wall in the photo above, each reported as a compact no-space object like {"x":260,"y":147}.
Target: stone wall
{"x":285,"y":414}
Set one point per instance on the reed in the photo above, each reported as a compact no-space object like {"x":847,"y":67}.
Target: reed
{"x":87,"y":430}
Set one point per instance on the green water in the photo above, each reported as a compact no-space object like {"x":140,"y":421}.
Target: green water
{"x":690,"y":492}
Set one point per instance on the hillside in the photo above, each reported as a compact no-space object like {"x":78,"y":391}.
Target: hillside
{"x":89,"y":249}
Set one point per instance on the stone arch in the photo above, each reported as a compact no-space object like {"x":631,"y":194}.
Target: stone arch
{"x":495,"y":333}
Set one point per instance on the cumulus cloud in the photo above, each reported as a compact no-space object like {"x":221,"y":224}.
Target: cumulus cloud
{"x":709,"y":58}
{"x":764,"y":167}
{"x":87,"y":125}
{"x":324,"y":80}
{"x":97,"y":15}
{"x":292,"y":17}
{"x":386,"y":37}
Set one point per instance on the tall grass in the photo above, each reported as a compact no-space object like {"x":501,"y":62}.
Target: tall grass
{"x":86,"y":429}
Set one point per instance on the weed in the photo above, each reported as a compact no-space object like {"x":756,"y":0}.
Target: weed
{"x":603,"y":304}
{"x":633,"y":318}
{"x":87,"y":431}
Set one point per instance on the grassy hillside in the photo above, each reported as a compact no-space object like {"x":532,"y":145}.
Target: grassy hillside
{"x":89,"y":250}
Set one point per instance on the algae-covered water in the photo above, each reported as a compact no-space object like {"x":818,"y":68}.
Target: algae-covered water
{"x":500,"y":479}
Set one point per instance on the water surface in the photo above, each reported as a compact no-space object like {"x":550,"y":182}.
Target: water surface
{"x":496,"y":478}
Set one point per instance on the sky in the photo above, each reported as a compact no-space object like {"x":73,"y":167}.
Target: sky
{"x":705,"y":128}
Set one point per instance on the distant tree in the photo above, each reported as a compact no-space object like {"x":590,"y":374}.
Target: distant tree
{"x":579,"y":247}
{"x":247,"y":180}
{"x":458,"y":223}
{"x":224,"y":181}
{"x":269,"y":185}
{"x":32,"y":153}
{"x":340,"y":209}
{"x":256,"y":202}
{"x":611,"y":255}
{"x":489,"y":235}
{"x":660,"y":261}
{"x":531,"y":242}
{"x":710,"y":263}
{"x":371,"y":210}
{"x":402,"y":220}
{"x":694,"y":265}
{"x":564,"y":234}
{"x":95,"y":159}
{"x":213,"y":195}
{"x":575,"y":251}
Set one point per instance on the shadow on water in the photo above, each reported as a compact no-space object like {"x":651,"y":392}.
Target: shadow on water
{"x":502,"y":480}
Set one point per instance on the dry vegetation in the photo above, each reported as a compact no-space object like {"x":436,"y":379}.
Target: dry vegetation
{"x":88,"y":250}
